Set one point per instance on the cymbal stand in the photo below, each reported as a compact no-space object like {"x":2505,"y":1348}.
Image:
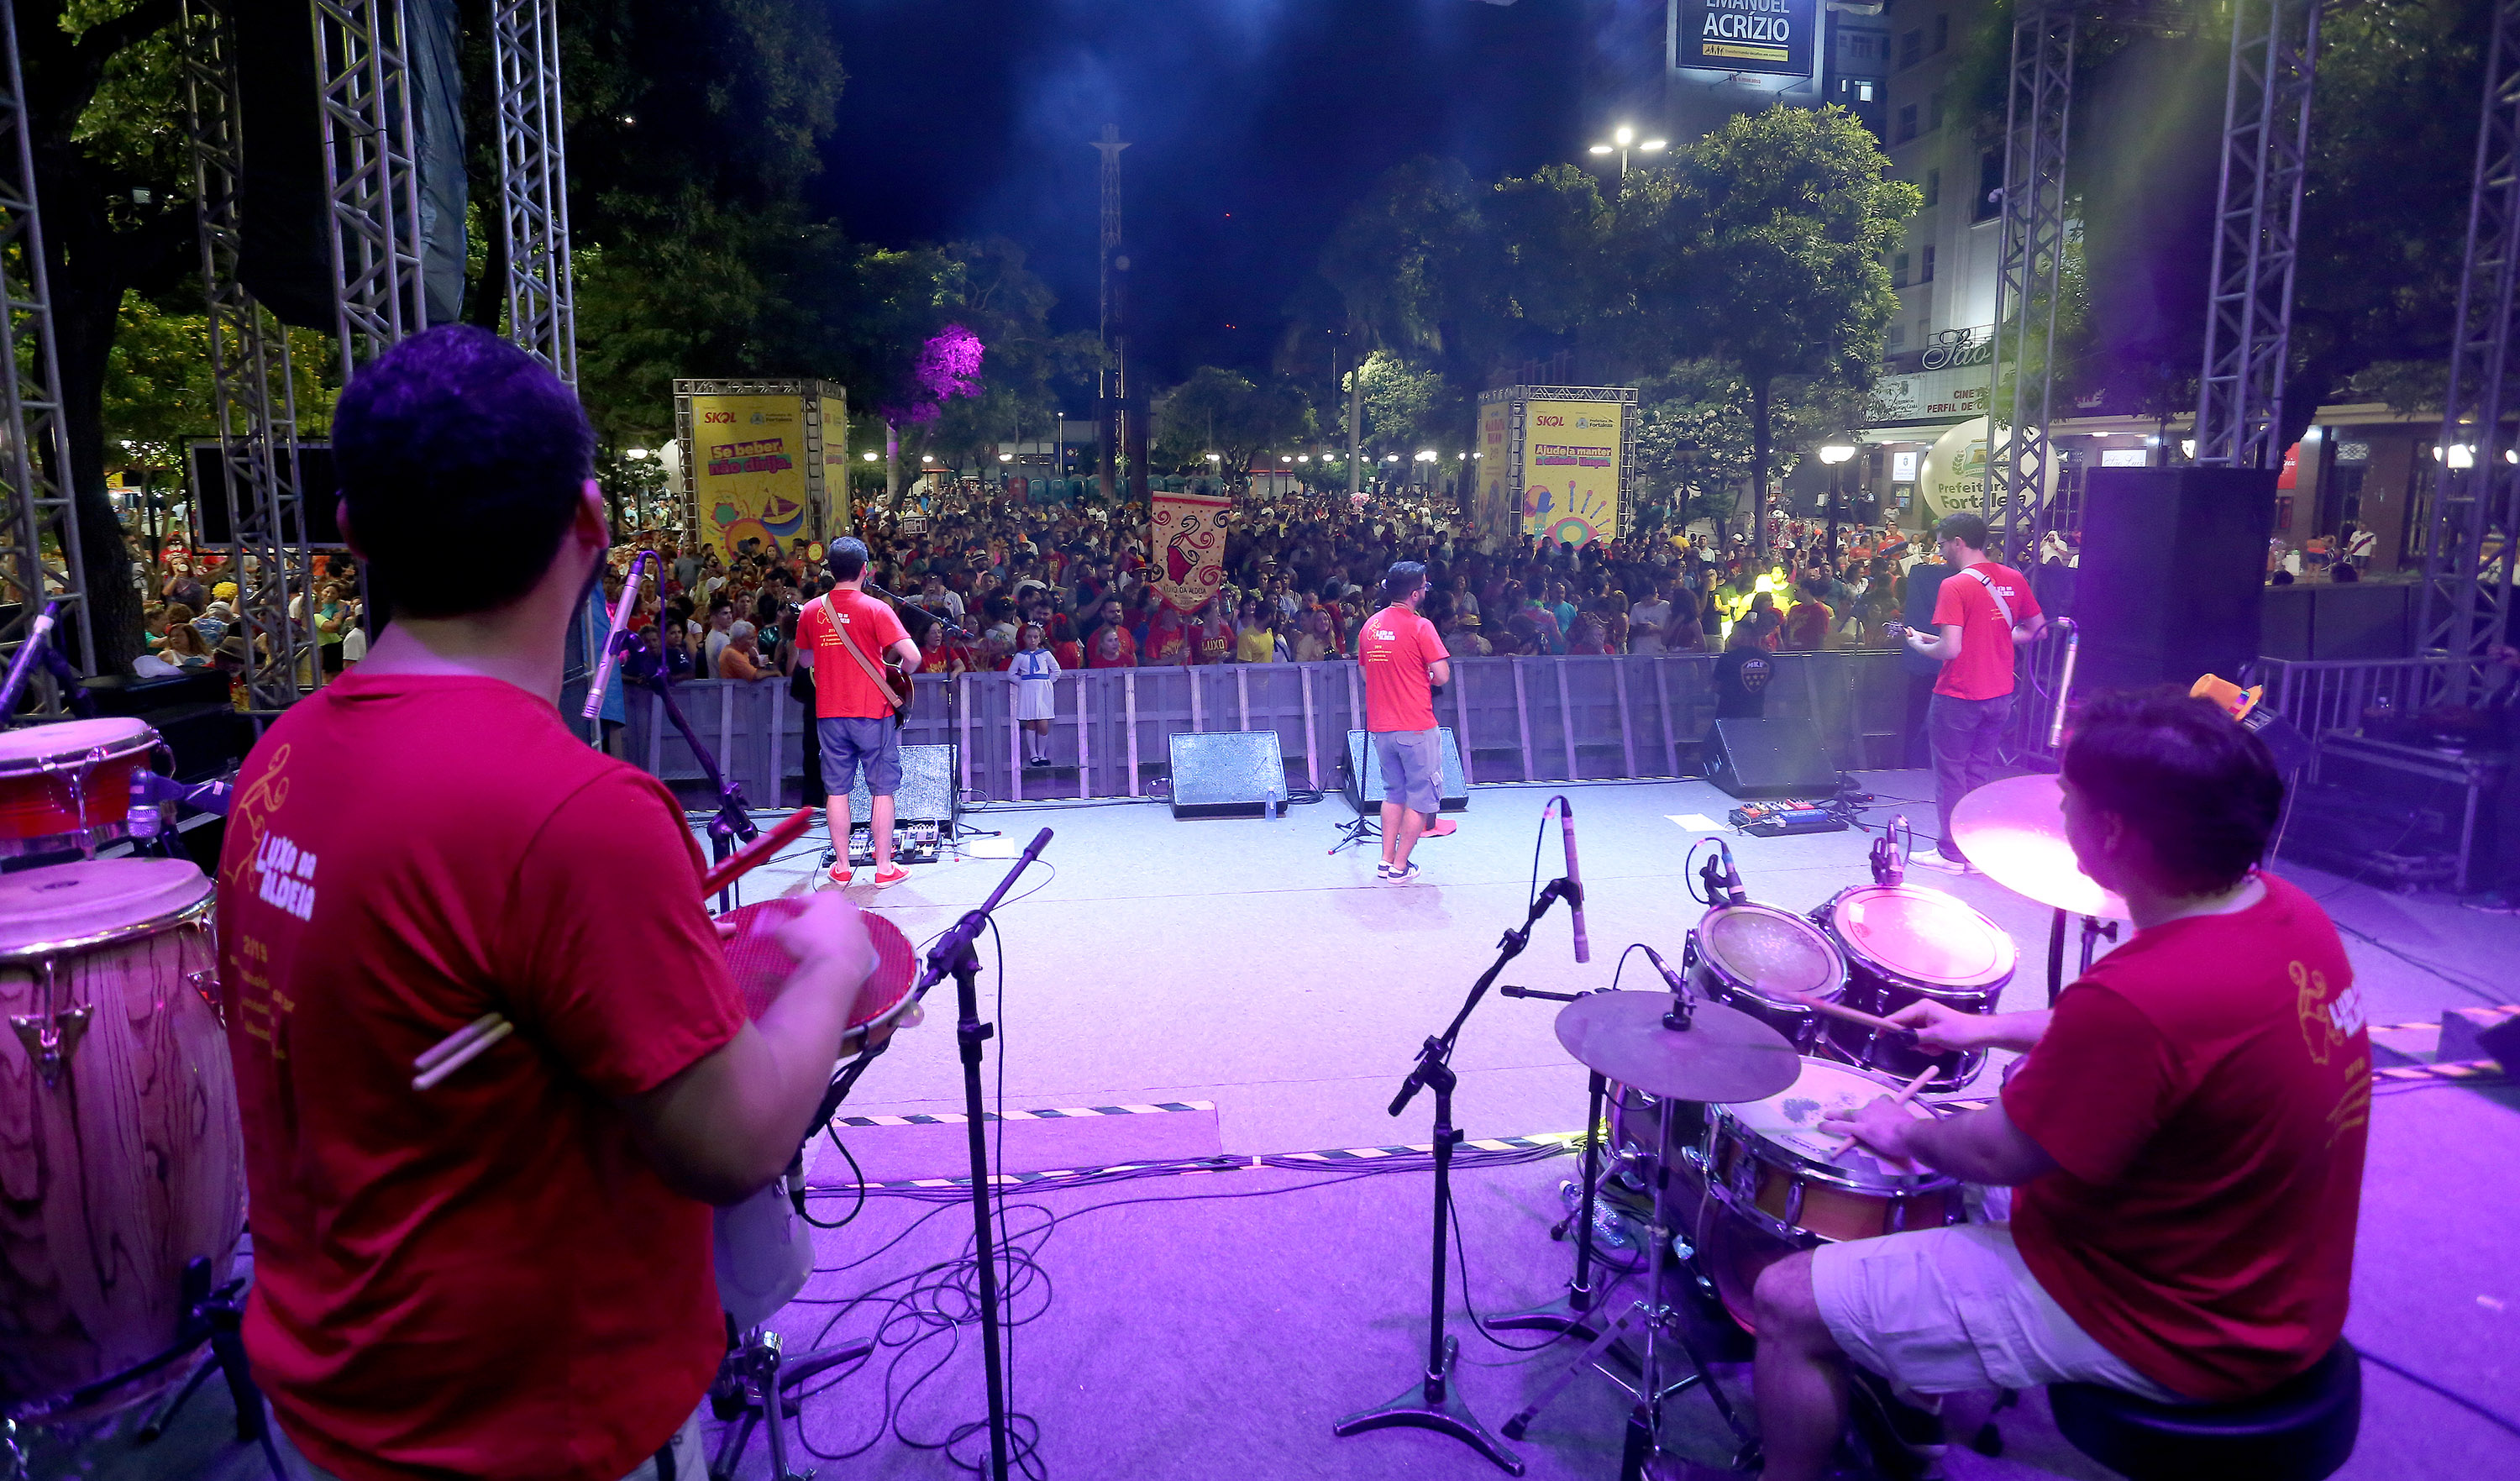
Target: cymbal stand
{"x":733,"y":822}
{"x":2095,"y":931}
{"x":1571,"y":1313}
{"x":1435,"y":1402}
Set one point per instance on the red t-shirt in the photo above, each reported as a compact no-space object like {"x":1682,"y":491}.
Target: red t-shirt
{"x":1215,"y":646}
{"x":485,"y":1278}
{"x":1984,"y":668}
{"x":2205,"y":1090}
{"x":1165,"y":646}
{"x":842,"y":689}
{"x":1396,"y":647}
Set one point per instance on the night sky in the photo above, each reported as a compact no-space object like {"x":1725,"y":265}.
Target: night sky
{"x":1255,"y":124}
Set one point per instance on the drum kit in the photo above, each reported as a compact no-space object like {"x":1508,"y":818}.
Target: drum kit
{"x":120,"y":1150}
{"x":1721,"y":1160}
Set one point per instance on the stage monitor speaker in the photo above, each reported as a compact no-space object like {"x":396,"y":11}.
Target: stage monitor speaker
{"x":1770,"y":758}
{"x":928,"y":791}
{"x":1365,"y":773}
{"x":1227,"y":774}
{"x":2173,"y":574}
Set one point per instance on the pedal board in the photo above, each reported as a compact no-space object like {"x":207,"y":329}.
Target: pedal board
{"x":1776,"y":820}
{"x":911,"y":843}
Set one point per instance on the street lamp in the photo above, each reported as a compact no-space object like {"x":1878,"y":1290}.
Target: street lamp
{"x":1836,"y":455}
{"x":1622,"y":139}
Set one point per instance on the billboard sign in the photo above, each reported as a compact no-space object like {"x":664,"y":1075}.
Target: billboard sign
{"x":1570,"y":470}
{"x":1492,"y":510}
{"x":1772,"y":37}
{"x":748,"y":470}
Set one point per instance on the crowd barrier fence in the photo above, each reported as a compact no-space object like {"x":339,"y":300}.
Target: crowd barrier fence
{"x":1539,"y":719}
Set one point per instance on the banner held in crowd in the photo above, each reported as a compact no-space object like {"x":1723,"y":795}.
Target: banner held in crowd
{"x":1188,"y":541}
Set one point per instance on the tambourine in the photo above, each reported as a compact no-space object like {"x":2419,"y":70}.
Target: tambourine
{"x":760,"y":965}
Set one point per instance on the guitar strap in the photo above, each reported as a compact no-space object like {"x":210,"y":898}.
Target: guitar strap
{"x":2001,"y":606}
{"x":832,"y":615}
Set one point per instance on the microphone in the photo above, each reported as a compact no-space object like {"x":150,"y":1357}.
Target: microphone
{"x":1731,"y":877}
{"x":25,"y":662}
{"x":1574,"y":874}
{"x":1888,"y":865}
{"x":621,"y":612}
{"x":1664,"y":968}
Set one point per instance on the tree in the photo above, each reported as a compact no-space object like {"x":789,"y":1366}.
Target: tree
{"x":1406,"y":406}
{"x":1767,"y":247}
{"x":112,"y":187}
{"x":1218,"y":411}
{"x":1694,"y":440}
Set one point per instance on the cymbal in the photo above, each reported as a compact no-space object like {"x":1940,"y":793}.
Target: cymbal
{"x":2014,"y":830}
{"x":1724,"y":1054}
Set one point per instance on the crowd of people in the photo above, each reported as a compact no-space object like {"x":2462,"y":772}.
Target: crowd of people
{"x":984,"y":581}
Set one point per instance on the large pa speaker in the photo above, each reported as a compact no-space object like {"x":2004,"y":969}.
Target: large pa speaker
{"x":2172,"y":573}
{"x":1770,"y":758}
{"x":928,"y":792}
{"x":1363,"y":781}
{"x":1227,"y":774}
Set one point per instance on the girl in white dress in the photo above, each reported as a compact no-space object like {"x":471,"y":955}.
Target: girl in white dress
{"x":1035,"y":672}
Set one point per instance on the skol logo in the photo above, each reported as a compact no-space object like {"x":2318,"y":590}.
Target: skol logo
{"x":727,"y":416}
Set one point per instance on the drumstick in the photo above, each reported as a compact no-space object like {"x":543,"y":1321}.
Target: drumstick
{"x":461,"y":1046}
{"x":1850,"y":1014}
{"x":460,"y":1049}
{"x":736,"y":865}
{"x":1898,"y":1102}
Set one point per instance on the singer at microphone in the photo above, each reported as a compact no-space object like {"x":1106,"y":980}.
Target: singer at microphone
{"x":1403,"y":661}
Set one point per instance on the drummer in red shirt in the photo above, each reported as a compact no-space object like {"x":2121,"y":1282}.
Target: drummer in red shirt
{"x":506,"y":1275}
{"x":2184,"y":1139}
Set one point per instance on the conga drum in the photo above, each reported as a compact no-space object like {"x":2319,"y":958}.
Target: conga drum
{"x":122,"y":1158}
{"x":68,"y":785}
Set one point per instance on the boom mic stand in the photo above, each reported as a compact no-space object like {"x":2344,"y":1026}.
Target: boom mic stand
{"x":1435,"y":1402}
{"x":757,"y":1371}
{"x":733,"y":822}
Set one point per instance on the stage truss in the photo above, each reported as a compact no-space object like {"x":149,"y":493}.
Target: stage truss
{"x":37,"y":513}
{"x":533,"y":181}
{"x":254,"y":396}
{"x":2257,"y":226}
{"x":2030,"y":274}
{"x":2465,"y":603}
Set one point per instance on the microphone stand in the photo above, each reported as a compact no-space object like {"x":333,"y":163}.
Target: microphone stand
{"x":732,"y":822}
{"x":1435,"y":1402}
{"x":956,"y":954}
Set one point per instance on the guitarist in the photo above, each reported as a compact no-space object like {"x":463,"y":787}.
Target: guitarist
{"x":845,"y":637}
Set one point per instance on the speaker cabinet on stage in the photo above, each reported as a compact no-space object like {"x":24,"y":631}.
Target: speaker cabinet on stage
{"x":1770,"y":758}
{"x":1227,"y":774}
{"x":2173,"y":574}
{"x":928,"y":793}
{"x":1365,"y":773}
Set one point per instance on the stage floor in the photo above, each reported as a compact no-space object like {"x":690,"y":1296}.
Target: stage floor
{"x":1238,"y":964}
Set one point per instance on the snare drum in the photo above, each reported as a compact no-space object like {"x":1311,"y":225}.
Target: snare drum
{"x":1774,"y":1185}
{"x":121,"y":1152}
{"x":67,"y":786}
{"x":1761,"y":959}
{"x":1904,"y":943}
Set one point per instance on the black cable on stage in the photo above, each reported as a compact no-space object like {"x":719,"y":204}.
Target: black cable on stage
{"x":1462,"y":1260}
{"x":2489,"y":1415}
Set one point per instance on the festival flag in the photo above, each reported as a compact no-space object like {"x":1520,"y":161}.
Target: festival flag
{"x":1187,"y":540}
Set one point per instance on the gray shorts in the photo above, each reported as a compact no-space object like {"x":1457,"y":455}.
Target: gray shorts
{"x":1412,"y":768}
{"x":851,"y":742}
{"x":1953,"y":1310}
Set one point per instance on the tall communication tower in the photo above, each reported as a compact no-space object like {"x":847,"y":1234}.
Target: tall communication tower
{"x":1114,"y":374}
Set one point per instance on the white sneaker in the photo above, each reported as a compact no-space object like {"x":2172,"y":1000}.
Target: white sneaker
{"x":1407,"y":873}
{"x":1947,"y":866}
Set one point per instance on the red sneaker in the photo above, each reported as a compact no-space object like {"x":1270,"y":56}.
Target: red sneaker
{"x":889,"y":876}
{"x":1441,"y":827}
{"x":842,"y":873}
